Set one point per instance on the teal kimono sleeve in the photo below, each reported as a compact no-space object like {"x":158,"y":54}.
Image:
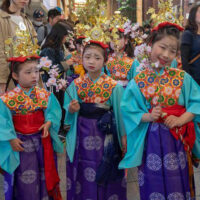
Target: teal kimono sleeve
{"x":115,"y":100}
{"x":71,"y":120}
{"x":9,"y":159}
{"x":190,"y":98}
{"x":133,"y":71}
{"x":133,"y":107}
{"x":53,"y":113}
{"x":174,"y":64}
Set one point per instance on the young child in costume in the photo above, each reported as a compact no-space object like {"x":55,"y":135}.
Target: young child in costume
{"x":74,"y":61}
{"x":161,"y":108}
{"x":30,"y":120}
{"x":120,"y":62}
{"x":93,"y":141}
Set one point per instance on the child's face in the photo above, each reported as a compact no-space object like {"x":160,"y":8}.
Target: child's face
{"x":28,"y":74}
{"x":93,"y":60}
{"x":121,"y":44}
{"x":164,"y":50}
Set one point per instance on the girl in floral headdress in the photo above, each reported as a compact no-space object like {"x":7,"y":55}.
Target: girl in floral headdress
{"x":30,"y":120}
{"x":94,"y":139}
{"x":120,"y":62}
{"x":161,"y":109}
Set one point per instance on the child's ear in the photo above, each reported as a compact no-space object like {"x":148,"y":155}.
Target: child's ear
{"x":15,"y":76}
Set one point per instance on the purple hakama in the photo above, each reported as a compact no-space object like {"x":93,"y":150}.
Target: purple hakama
{"x":81,"y":173}
{"x":28,"y":180}
{"x":164,"y":173}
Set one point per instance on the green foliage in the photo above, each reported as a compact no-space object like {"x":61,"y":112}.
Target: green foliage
{"x":128,"y":8}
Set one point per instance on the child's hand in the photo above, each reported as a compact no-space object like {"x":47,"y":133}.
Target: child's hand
{"x":45,"y":128}
{"x":156,"y":113}
{"x":172,"y":122}
{"x":74,"y":106}
{"x":124,"y":144}
{"x":16,"y":144}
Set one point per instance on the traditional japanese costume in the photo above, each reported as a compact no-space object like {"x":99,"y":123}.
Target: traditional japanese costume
{"x":120,"y":70}
{"x":29,"y":174}
{"x":88,"y":147}
{"x":163,"y":155}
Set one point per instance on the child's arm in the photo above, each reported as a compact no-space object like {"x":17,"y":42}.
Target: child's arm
{"x":74,"y":106}
{"x":153,"y":116}
{"x":16,"y":144}
{"x":173,"y":121}
{"x":45,"y":128}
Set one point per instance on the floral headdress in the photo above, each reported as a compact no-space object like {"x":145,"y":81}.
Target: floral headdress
{"x":165,"y":14}
{"x":95,"y":29}
{"x":165,"y":17}
{"x":21,"y":47}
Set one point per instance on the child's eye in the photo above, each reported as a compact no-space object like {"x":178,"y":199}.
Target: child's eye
{"x":28,"y":72}
{"x":97,"y":58}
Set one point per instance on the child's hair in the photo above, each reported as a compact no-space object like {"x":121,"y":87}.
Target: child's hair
{"x":167,"y":30}
{"x":103,"y":51}
{"x":128,"y":47}
{"x":15,"y":67}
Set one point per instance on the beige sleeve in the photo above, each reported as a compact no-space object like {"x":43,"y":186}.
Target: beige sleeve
{"x":4,"y":69}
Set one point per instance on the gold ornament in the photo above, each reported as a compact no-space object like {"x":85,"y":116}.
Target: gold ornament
{"x":21,"y":45}
{"x":165,"y":13}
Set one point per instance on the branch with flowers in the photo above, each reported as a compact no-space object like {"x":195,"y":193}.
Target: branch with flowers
{"x":133,"y":31}
{"x":142,"y":54}
{"x":54,"y":75}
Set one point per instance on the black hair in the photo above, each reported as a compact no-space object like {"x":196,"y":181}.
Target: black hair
{"x":6,"y":4}
{"x":15,"y":67}
{"x":129,"y":49}
{"x":104,"y":52}
{"x":191,"y":22}
{"x":53,"y":13}
{"x":55,"y":37}
{"x":167,"y":30}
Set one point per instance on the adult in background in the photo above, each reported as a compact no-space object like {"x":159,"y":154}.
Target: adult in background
{"x":11,"y":18}
{"x":53,"y":49}
{"x":53,"y":17}
{"x":39,"y":26}
{"x":190,"y":44}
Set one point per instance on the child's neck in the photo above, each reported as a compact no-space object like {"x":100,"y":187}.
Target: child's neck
{"x":119,"y":54}
{"x":26,"y":89}
{"x":94,"y":75}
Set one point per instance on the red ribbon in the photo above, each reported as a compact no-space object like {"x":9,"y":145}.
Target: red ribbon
{"x":30,"y":124}
{"x":163,"y":24}
{"x":22,"y":58}
{"x":186,"y":132}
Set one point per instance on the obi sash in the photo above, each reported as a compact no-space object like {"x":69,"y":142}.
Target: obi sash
{"x":185,"y":133}
{"x":30,"y":124}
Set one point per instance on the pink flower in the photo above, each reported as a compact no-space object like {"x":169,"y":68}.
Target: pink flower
{"x":51,"y":82}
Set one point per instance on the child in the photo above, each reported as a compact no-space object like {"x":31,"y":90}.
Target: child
{"x":161,"y":108}
{"x":120,"y":62}
{"x":30,"y":120}
{"x":92,"y":141}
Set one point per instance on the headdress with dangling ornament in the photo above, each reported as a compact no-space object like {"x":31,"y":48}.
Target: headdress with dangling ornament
{"x":95,"y":29}
{"x":21,"y":47}
{"x":165,"y":16}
